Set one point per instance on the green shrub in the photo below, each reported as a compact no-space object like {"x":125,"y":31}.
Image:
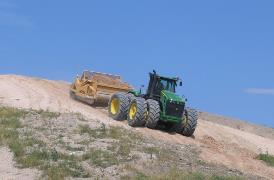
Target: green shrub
{"x":267,"y":158}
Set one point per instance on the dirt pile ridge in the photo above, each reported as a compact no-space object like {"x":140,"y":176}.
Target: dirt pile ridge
{"x":220,"y":143}
{"x":33,"y":93}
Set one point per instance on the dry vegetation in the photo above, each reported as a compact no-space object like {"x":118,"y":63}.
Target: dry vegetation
{"x":68,"y":145}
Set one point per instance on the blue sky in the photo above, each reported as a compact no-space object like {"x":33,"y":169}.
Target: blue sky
{"x":223,"y":50}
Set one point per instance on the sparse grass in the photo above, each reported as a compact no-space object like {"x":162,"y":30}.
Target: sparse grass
{"x":9,"y":122}
{"x":31,"y":141}
{"x":124,"y":142}
{"x":176,"y":174}
{"x":124,"y":149}
{"x":95,"y":133}
{"x":33,"y":153}
{"x":160,"y":153}
{"x":55,"y":172}
{"x":11,"y":113}
{"x":48,"y":114}
{"x":9,"y":117}
{"x":53,"y":164}
{"x":101,"y":158}
{"x":80,"y":117}
{"x":69,"y":148}
{"x":30,"y":152}
{"x":200,"y":162}
{"x":34,"y":159}
{"x":112,"y":132}
{"x":267,"y":158}
{"x":64,"y":169}
{"x":214,"y":177}
{"x":63,"y":166}
{"x":84,"y":142}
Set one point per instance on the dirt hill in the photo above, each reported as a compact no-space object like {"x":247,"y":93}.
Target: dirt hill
{"x":230,"y":143}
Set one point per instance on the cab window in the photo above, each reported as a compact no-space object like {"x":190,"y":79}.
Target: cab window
{"x":163,"y":84}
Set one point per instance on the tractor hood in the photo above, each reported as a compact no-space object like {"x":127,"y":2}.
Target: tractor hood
{"x":172,"y":96}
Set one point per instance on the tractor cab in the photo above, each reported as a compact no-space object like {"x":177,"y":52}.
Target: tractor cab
{"x":159,"y":83}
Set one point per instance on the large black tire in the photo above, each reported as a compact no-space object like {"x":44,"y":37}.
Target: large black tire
{"x":191,"y":116}
{"x":118,"y":106}
{"x":153,"y":114}
{"x":137,"y":112}
{"x":130,"y":97}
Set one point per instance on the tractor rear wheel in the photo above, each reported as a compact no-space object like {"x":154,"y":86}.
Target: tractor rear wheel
{"x":130,"y":97}
{"x":153,"y":113}
{"x":190,"y":123}
{"x":118,"y":106}
{"x":137,"y":112}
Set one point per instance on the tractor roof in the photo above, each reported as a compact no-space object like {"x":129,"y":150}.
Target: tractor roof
{"x":169,"y":78}
{"x":164,"y":77}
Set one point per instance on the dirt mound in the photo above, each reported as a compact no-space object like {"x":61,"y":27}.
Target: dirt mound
{"x":237,"y":124}
{"x":211,"y":143}
{"x":219,"y":143}
{"x":34,"y":93}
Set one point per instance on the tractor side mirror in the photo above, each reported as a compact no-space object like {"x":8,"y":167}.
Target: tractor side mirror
{"x":181,"y":83}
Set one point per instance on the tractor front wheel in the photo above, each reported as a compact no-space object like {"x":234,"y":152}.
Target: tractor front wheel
{"x":190,"y":122}
{"x":153,"y":113}
{"x":137,"y":112}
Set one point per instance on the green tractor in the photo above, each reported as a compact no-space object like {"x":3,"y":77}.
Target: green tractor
{"x":159,"y":106}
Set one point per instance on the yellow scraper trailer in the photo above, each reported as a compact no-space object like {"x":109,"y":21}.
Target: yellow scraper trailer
{"x":97,"y":88}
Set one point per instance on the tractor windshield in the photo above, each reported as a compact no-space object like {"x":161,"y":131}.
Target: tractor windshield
{"x":164,"y":84}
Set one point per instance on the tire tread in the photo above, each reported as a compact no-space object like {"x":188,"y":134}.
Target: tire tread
{"x":139,"y":119}
{"x":153,"y":108}
{"x":192,"y":118}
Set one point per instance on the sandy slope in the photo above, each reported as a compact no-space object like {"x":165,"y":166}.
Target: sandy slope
{"x":218,"y":143}
{"x":9,"y":171}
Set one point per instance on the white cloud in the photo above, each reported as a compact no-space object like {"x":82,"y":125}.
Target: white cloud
{"x":260,"y":91}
